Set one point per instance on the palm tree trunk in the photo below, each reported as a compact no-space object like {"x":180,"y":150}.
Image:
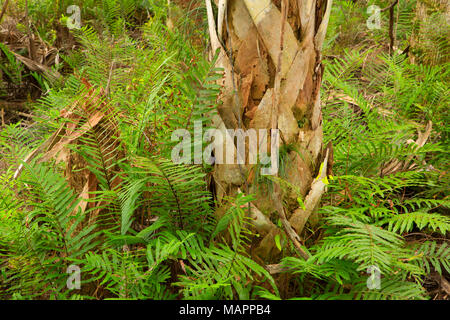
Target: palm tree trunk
{"x":270,"y":51}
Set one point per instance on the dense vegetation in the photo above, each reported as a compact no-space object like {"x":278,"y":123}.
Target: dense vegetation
{"x":87,"y":180}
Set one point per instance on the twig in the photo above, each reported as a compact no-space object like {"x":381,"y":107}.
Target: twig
{"x":215,"y":43}
{"x":318,"y":188}
{"x":276,"y":268}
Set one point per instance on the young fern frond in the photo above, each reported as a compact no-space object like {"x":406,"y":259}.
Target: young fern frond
{"x":391,"y":289}
{"x":175,"y":192}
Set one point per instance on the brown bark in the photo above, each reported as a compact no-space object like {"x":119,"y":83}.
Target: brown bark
{"x":271,"y":54}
